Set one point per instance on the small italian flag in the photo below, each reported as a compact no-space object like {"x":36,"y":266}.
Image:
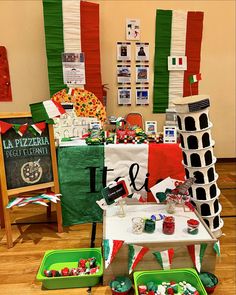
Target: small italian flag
{"x":111,"y":247}
{"x":136,"y":253}
{"x":165,"y":257}
{"x":20,"y":129}
{"x":46,"y":110}
{"x":4,"y":127}
{"x":195,"y":78}
{"x":217,"y":247}
{"x":197,"y":252}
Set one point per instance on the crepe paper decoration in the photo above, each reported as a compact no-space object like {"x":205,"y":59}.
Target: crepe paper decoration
{"x":136,"y":253}
{"x":111,"y":247}
{"x":46,"y":110}
{"x":174,"y":37}
{"x":164,"y":257}
{"x":216,"y":247}
{"x":72,"y":26}
{"x":193,"y":49}
{"x":86,"y":104}
{"x":195,"y":78}
{"x":4,"y":127}
{"x":196,"y":253}
{"x":20,"y":129}
{"x":40,"y":199}
{"x":5,"y":83}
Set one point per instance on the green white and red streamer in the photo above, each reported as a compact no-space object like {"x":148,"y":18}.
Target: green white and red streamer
{"x":165,"y":257}
{"x":196,"y":253}
{"x":136,"y":254}
{"x":72,"y":26}
{"x":111,"y":247}
{"x":21,"y":129}
{"x":216,"y":247}
{"x":178,"y":33}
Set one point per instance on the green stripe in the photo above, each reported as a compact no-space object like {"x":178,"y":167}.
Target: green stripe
{"x":131,"y":256}
{"x":158,"y":257}
{"x":162,"y":51}
{"x":106,"y":248}
{"x":53,"y":25}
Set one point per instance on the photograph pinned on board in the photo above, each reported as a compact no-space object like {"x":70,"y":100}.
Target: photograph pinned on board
{"x":96,"y":125}
{"x":123,"y":50}
{"x":151,"y":127}
{"x":170,"y":134}
{"x":132,"y":29}
{"x":124,"y":96}
{"x":73,"y":68}
{"x":142,"y":74}
{"x":123,"y":74}
{"x":142,"y":96}
{"x":141,"y":52}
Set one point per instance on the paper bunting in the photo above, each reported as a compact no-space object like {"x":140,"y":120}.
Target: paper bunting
{"x":197,"y":252}
{"x":37,"y":128}
{"x":165,"y":257}
{"x":111,"y":247}
{"x":40,"y":199}
{"x":195,"y":78}
{"x":20,"y":128}
{"x":46,"y":110}
{"x":216,"y":247}
{"x":136,"y":253}
{"x":4,"y":127}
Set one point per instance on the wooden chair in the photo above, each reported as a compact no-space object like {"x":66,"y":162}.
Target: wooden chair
{"x":134,"y":119}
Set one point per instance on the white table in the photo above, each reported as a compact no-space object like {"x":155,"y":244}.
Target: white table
{"x":118,"y":228}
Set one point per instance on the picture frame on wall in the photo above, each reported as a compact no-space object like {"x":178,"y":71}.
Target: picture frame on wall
{"x":142,"y":74}
{"x":170,"y":134}
{"x":132,"y":29}
{"x":123,"y":74}
{"x":142,"y":96}
{"x":123,"y":50}
{"x":150,"y":127}
{"x":124,"y":96}
{"x":141,"y":52}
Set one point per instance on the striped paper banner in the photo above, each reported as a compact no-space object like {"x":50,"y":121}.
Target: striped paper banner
{"x":178,"y":33}
{"x":72,"y":26}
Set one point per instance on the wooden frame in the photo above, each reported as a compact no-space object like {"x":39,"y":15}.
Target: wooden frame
{"x":8,"y":193}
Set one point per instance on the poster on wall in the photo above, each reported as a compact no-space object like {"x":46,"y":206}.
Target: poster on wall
{"x":73,"y":68}
{"x":142,"y":74}
{"x":124,"y":51}
{"x":123,"y":74}
{"x":151,"y":127}
{"x":124,"y":96}
{"x":142,"y":96}
{"x":141,"y":52}
{"x":132,"y":29}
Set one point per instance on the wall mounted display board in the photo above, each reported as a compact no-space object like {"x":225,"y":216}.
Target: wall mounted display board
{"x":27,"y":163}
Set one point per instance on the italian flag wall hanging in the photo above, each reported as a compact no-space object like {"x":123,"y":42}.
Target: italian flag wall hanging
{"x":111,"y":247}
{"x":165,"y":257}
{"x":136,"y":253}
{"x":72,"y":26}
{"x":178,"y":34}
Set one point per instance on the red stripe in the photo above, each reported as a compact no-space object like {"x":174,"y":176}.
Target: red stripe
{"x":59,"y":107}
{"x":164,"y":160}
{"x":139,"y":256}
{"x":193,"y":50}
{"x":90,"y":44}
{"x":171,"y":255}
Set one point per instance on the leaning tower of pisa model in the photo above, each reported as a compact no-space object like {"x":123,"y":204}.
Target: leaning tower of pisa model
{"x":198,"y":158}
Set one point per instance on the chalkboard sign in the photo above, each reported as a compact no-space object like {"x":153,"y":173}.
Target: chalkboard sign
{"x":27,"y":159}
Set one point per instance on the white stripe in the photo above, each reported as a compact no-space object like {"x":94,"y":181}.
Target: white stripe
{"x":197,"y":257}
{"x":71,"y":23}
{"x":120,"y":157}
{"x":72,"y":28}
{"x":51,"y":109}
{"x":178,"y":41}
{"x":108,"y":261}
{"x":165,"y":259}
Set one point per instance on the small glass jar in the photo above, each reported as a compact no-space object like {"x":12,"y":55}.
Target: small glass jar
{"x":149,"y":226}
{"x":193,"y":225}
{"x":168,"y":227}
{"x":170,"y":206}
{"x":137,"y":225}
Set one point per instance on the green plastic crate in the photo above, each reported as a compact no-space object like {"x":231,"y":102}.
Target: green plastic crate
{"x":158,"y":276}
{"x":58,"y":259}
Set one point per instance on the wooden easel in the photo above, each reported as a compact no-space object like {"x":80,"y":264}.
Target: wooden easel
{"x":6,"y":193}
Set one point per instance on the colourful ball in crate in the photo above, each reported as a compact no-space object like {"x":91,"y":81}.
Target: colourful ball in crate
{"x":142,"y":289}
{"x":87,"y":264}
{"x":74,"y":272}
{"x":151,"y":286}
{"x":170,"y":291}
{"x":93,"y":262}
{"x":93,"y":270}
{"x":65,"y":272}
{"x":48,"y":273}
{"x":82,"y":263}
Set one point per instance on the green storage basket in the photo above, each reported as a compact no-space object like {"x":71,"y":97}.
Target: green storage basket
{"x":158,"y":276}
{"x":58,"y":259}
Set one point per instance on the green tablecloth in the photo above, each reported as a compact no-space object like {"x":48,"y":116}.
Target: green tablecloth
{"x":81,"y":186}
